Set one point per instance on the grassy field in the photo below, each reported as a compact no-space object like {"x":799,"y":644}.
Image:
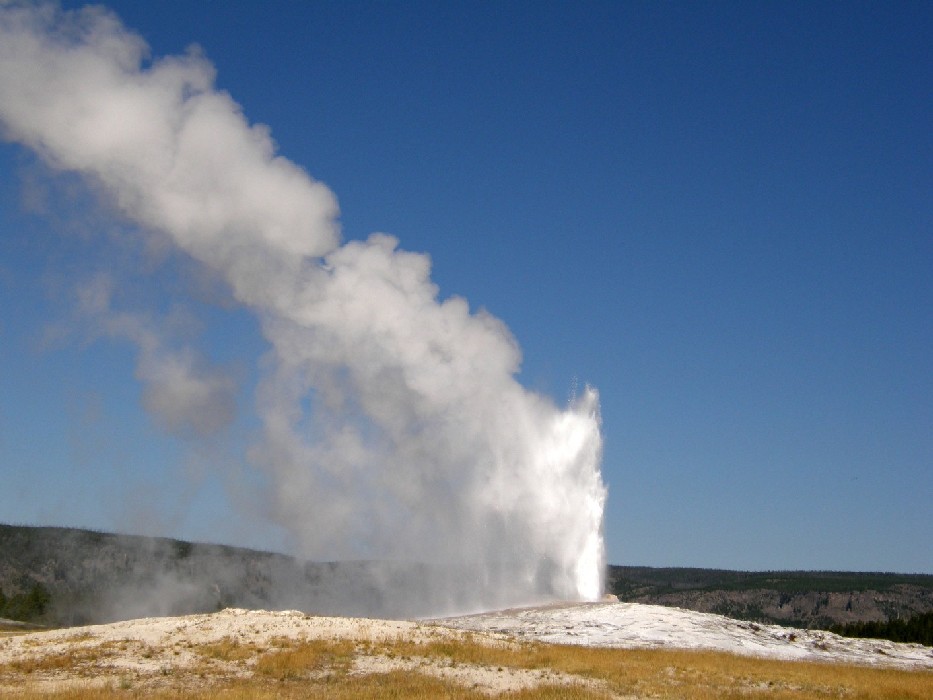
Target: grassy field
{"x":442,"y":668}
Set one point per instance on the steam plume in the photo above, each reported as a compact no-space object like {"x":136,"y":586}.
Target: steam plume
{"x":393,"y":425}
{"x":182,"y":394}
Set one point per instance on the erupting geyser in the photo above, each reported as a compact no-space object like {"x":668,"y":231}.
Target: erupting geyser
{"x":393,"y":425}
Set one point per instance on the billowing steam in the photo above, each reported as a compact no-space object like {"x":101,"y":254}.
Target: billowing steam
{"x":393,"y":425}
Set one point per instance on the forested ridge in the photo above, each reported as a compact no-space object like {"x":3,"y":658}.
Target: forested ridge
{"x":66,"y":576}
{"x":805,"y":599}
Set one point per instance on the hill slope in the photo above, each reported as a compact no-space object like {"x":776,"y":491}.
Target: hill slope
{"x":544,"y":652}
{"x":64,"y":576}
{"x":799,"y":598}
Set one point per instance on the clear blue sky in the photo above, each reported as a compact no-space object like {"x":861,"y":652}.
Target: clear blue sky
{"x":719,"y":214}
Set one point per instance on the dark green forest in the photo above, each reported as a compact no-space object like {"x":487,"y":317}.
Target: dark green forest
{"x":626,"y":581}
{"x":918,"y":629}
{"x":26,"y":607}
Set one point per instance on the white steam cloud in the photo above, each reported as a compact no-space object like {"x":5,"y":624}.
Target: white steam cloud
{"x":393,"y":425}
{"x":181,"y":391}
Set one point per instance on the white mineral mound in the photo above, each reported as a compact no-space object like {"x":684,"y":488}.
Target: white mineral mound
{"x":633,"y":625}
{"x":619,"y":625}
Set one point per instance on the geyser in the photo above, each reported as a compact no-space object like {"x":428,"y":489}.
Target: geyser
{"x":394,"y":428}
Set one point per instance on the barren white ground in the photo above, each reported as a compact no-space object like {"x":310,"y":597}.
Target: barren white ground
{"x":147,"y":647}
{"x":633,"y":625}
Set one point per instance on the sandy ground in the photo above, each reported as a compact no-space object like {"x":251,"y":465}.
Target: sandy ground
{"x":159,"y":649}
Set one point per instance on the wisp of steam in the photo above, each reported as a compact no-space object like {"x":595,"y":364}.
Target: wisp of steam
{"x":393,"y":425}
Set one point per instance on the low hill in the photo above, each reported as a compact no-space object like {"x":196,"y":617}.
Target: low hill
{"x":808,"y":599}
{"x":64,"y":576}
{"x":575,"y":650}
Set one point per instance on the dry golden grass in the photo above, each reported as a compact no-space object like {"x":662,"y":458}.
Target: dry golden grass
{"x":325,"y":669}
{"x":77,"y":660}
{"x":686,"y":674}
{"x":12,"y":632}
{"x":393,"y":685}
{"x":228,"y":649}
{"x":308,"y":658}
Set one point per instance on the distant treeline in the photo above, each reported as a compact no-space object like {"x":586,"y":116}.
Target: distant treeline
{"x":805,"y":599}
{"x":627,"y":581}
{"x":917,"y":629}
{"x":25,"y":607}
